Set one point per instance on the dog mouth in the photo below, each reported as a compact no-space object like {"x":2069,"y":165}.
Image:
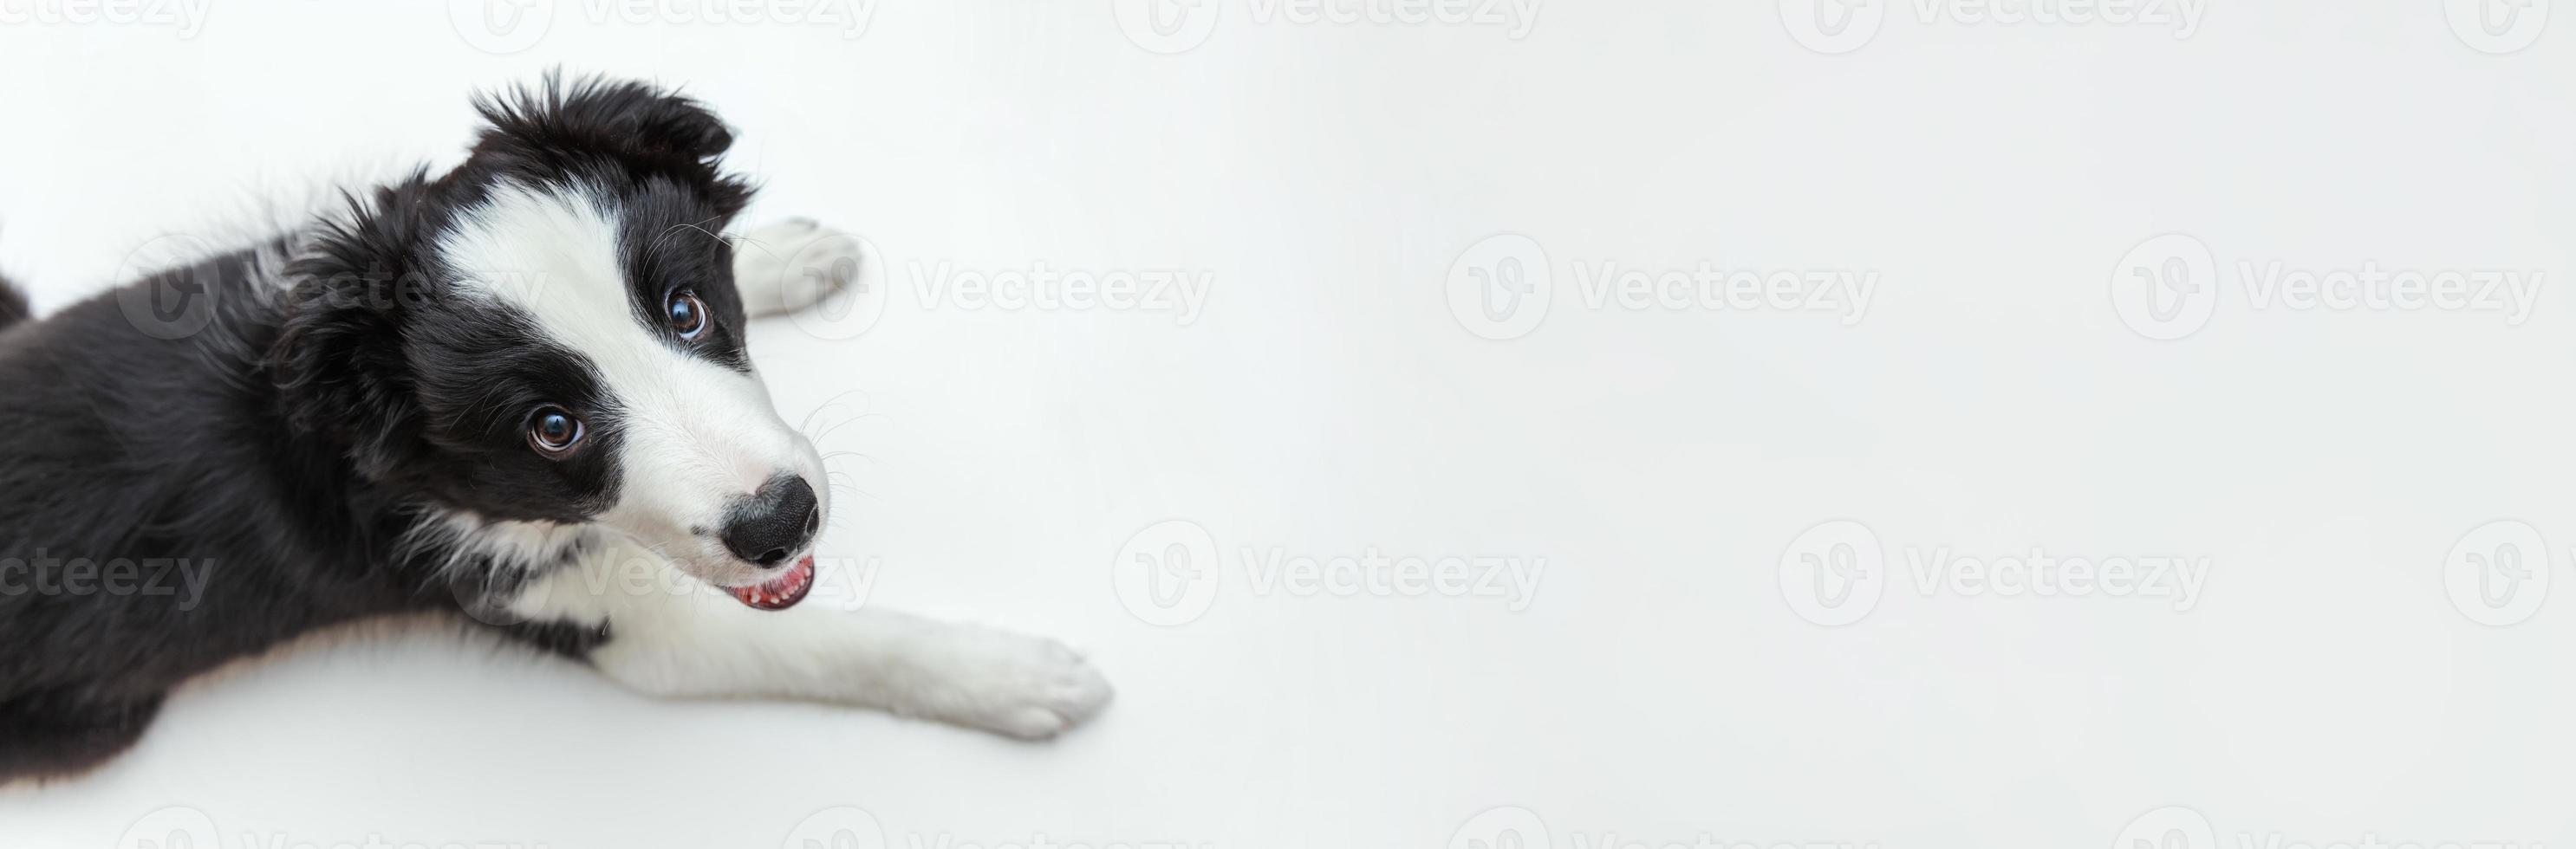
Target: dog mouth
{"x":782,"y":592}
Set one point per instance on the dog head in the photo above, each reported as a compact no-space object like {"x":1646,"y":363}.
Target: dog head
{"x":550,"y":334}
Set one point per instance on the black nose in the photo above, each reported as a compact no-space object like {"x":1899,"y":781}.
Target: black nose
{"x":770,"y":524}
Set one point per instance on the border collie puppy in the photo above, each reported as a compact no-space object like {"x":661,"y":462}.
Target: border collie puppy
{"x":517,"y":391}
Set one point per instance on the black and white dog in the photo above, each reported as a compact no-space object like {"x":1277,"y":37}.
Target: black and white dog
{"x":517,"y":391}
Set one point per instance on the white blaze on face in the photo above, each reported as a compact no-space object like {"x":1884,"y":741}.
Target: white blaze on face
{"x":692,"y":435}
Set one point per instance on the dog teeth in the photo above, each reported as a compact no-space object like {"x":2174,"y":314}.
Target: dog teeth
{"x":777,"y":593}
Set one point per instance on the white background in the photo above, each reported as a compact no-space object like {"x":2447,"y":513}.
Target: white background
{"x":1330,"y":179}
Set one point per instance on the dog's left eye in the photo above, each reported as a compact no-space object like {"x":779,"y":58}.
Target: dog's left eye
{"x":553,"y":430}
{"x":686,"y":314}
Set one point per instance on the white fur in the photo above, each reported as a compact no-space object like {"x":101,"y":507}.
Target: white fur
{"x":673,"y":637}
{"x":468,"y":536}
{"x":696,"y":434}
{"x":791,"y":265}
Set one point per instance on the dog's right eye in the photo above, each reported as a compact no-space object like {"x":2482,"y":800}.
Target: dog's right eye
{"x":552,"y":431}
{"x":686,"y":314}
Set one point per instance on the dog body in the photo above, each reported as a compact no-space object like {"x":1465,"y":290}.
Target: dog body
{"x":517,"y":391}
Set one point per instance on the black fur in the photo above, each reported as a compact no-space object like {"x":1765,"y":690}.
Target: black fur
{"x":13,"y":304}
{"x":268,"y":471}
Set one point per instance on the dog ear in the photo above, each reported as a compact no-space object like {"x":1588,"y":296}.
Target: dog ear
{"x":604,"y":115}
{"x":580,"y":128}
{"x":338,"y":362}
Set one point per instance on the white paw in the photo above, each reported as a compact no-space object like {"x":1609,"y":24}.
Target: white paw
{"x":793,"y":264}
{"x":1027,"y":687}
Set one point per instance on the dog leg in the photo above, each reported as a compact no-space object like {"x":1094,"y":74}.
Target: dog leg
{"x":793,"y":264}
{"x":13,"y":303}
{"x":42,"y":737}
{"x":671,"y":635}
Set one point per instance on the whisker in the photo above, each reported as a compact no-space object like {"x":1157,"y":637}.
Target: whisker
{"x":827,"y":432}
{"x":807,"y":427}
{"x":667,"y":232}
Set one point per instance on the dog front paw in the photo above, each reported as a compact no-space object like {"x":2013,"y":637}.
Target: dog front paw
{"x":793,"y":264}
{"x":1015,"y":685}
